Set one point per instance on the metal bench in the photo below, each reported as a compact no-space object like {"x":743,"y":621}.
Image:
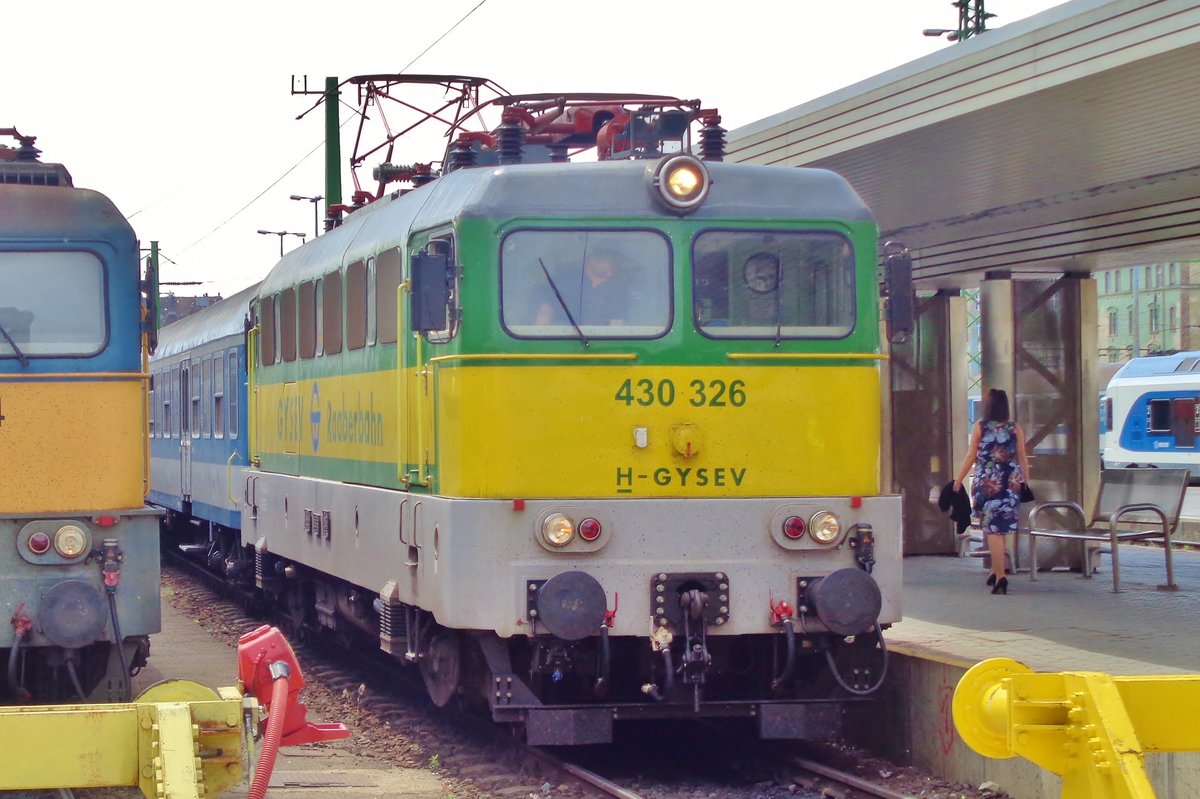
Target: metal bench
{"x":1132,"y":505}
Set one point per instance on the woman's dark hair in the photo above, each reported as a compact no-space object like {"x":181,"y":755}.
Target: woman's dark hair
{"x":995,"y":407}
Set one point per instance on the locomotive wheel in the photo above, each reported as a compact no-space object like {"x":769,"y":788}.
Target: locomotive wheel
{"x":441,"y":667}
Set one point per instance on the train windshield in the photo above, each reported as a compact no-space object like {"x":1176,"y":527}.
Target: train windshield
{"x":585,"y":284}
{"x":51,"y":304}
{"x":773,"y":284}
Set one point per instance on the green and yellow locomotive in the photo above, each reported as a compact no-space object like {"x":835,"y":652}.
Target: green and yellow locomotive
{"x":588,"y":441}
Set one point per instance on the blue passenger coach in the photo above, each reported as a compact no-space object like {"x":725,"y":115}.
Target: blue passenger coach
{"x":198,"y":427}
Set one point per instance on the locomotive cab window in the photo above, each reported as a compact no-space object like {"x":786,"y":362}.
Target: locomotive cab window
{"x":585,"y":284}
{"x":52,"y":304}
{"x":773,"y":284}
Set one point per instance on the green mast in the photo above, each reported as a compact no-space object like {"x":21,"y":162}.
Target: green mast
{"x":333,"y":151}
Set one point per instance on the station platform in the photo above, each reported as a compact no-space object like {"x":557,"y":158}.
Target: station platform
{"x":1060,"y":622}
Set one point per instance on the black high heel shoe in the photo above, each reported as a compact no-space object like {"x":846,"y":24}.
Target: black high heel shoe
{"x":991,"y":580}
{"x":1001,"y":586}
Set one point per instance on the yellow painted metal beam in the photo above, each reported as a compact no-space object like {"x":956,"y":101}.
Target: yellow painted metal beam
{"x":182,"y":741}
{"x":1092,"y":729}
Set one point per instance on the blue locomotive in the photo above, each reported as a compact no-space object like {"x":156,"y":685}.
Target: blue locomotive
{"x":79,"y":566}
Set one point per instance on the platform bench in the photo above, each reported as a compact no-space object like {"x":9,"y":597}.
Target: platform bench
{"x":1132,"y":505}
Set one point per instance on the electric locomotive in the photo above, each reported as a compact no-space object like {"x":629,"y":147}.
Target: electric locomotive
{"x":79,"y":555}
{"x":586,"y":441}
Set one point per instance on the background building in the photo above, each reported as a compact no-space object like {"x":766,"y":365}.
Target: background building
{"x":1145,"y":309}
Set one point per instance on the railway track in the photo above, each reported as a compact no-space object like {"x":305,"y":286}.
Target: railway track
{"x":394,"y":720}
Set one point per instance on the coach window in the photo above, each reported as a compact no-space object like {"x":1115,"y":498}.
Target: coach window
{"x":218,"y":426}
{"x":153,"y":406}
{"x":206,"y":391}
{"x":773,"y":284}
{"x":235,"y":384}
{"x":172,"y":404}
{"x":1158,"y":416}
{"x":332,"y":321}
{"x":267,"y":332}
{"x":308,"y":319}
{"x":195,"y":378}
{"x":390,"y":273}
{"x":287,"y":324}
{"x":356,"y":305}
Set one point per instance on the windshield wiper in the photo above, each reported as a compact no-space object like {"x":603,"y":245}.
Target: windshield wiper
{"x":562,"y":302}
{"x":21,"y":357}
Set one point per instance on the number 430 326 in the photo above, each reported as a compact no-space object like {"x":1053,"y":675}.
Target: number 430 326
{"x":698,"y":394}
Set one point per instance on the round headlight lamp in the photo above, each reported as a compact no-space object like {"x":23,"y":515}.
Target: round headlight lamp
{"x":558,"y":530}
{"x":70,"y":541}
{"x":680,"y":182}
{"x":824,"y":527}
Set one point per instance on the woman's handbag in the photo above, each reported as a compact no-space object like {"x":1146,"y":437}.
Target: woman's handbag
{"x":1026,"y":494}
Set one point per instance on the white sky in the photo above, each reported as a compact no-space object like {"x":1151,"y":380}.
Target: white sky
{"x":182,"y":113}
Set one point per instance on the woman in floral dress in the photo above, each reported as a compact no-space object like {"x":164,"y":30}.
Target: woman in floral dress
{"x":997,"y":450}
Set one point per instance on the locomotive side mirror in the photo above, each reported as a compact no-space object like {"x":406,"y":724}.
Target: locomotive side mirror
{"x":430,"y":299}
{"x":151,"y":309}
{"x":898,"y":287}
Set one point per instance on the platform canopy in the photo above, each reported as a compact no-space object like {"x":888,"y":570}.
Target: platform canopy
{"x":1065,"y":142}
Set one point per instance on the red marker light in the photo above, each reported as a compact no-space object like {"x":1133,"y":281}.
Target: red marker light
{"x":793,"y":527}
{"x":106,"y":521}
{"x":518,"y":504}
{"x":589,"y":529}
{"x":39,"y":543}
{"x":856,"y":502}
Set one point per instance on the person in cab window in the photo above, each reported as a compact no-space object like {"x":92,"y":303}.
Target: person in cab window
{"x":601,"y":298}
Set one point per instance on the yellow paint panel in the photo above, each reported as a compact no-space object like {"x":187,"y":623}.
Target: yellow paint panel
{"x":351,"y":417}
{"x":510,"y":431}
{"x":71,"y":445}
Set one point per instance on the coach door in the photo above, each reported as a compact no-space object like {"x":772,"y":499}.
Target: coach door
{"x":185,"y":431}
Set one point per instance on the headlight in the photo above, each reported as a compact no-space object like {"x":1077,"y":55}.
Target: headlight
{"x":680,"y":182}
{"x":558,"y":530}
{"x":70,"y":541}
{"x":824,"y":527}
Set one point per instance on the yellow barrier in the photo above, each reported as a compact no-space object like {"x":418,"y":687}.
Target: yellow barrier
{"x":1092,"y":729}
{"x":179,"y":739}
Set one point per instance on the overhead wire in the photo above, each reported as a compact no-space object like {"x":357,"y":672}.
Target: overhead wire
{"x":310,"y":153}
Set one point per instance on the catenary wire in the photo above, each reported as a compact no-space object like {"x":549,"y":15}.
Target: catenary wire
{"x":310,"y":153}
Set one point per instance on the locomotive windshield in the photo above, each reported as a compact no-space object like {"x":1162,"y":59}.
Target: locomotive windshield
{"x":773,"y":284}
{"x":51,"y":304}
{"x":585,"y":284}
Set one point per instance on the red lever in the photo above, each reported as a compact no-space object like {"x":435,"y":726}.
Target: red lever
{"x":263,"y":655}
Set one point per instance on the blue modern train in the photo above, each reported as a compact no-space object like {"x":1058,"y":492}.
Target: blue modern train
{"x":1153,"y":405}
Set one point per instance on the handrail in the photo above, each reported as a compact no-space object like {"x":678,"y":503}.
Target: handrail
{"x":88,"y":375}
{"x":252,"y":384}
{"x":807,"y":356}
{"x":229,"y":478}
{"x":535,"y":356}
